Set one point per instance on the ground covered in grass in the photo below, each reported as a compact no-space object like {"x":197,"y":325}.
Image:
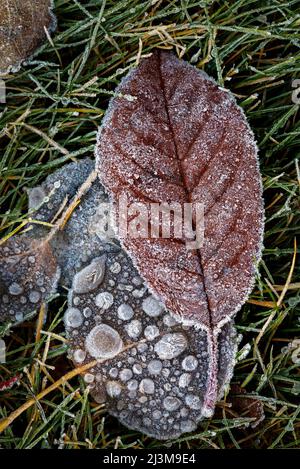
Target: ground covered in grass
{"x":54,"y":106}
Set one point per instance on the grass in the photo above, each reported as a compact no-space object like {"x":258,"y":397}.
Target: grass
{"x":53,"y":109}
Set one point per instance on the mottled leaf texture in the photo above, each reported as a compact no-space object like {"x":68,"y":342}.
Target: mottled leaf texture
{"x":244,"y":406}
{"x":152,"y":372}
{"x":28,"y":275}
{"x":173,"y":135}
{"x":80,"y":239}
{"x":22,"y":30}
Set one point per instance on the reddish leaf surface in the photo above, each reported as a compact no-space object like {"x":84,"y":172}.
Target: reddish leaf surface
{"x":28,"y":276}
{"x":181,"y":138}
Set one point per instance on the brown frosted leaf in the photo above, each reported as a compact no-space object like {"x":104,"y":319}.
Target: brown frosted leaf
{"x":173,"y":136}
{"x":22,"y":30}
{"x":108,"y":292}
{"x":28,"y":276}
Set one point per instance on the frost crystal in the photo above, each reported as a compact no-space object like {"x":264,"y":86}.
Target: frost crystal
{"x":28,"y":276}
{"x":152,"y":371}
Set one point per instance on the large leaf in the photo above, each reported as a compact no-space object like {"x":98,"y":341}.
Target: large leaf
{"x":22,"y":30}
{"x":181,"y":138}
{"x":173,"y":136}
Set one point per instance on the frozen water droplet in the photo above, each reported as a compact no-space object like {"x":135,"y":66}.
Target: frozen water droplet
{"x":104,"y":300}
{"x":89,"y":378}
{"x":171,"y":403}
{"x":125,"y":312}
{"x":115,"y":268}
{"x":15,"y":289}
{"x":134,"y":329}
{"x":146,"y":386}
{"x":151,"y":332}
{"x":34,"y":296}
{"x":189,"y":363}
{"x":184,"y":380}
{"x":79,"y":355}
{"x":154,"y":367}
{"x":187,"y":426}
{"x":137,"y":369}
{"x":103,"y":342}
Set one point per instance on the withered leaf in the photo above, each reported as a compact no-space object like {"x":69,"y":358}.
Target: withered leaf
{"x":22,"y":30}
{"x":28,"y":276}
{"x":80,"y":239}
{"x":181,"y":138}
{"x":171,"y":135}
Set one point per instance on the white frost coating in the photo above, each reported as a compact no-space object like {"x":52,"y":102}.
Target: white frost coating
{"x":152,"y":306}
{"x":103,"y":342}
{"x":104,"y":300}
{"x":125,"y":312}
{"x":171,"y":345}
{"x":73,"y":317}
{"x":89,"y":278}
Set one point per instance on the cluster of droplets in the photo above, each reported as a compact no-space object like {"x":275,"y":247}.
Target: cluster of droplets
{"x":151,"y":370}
